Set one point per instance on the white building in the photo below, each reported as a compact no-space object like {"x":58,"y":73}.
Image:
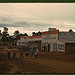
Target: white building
{"x":49,"y":40}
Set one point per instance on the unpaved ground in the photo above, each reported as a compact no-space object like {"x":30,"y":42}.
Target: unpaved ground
{"x":45,"y":63}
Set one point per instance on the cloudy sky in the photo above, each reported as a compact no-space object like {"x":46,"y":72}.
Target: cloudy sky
{"x":29,"y":17}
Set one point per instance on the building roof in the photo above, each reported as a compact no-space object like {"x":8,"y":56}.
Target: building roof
{"x":67,"y":37}
{"x":34,"y":36}
{"x":30,"y":37}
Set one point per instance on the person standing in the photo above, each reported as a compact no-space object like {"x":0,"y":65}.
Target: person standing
{"x":21,"y":54}
{"x":35,"y":54}
{"x":14,"y":55}
{"x":42,"y":48}
{"x":37,"y":50}
{"x":31,"y":52}
{"x":26,"y":54}
{"x":8,"y":54}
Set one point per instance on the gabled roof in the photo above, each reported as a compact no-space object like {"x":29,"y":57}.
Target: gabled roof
{"x":67,"y":37}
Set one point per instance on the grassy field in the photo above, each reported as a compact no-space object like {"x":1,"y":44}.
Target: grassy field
{"x":45,"y":63}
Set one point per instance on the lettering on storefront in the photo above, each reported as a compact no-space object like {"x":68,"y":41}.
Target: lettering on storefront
{"x":50,"y":37}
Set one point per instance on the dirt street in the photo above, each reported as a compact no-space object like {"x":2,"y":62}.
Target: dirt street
{"x":46,"y":62}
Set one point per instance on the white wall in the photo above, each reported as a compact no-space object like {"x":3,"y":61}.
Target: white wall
{"x":28,"y":40}
{"x":49,"y":39}
{"x":34,"y":39}
{"x":60,"y":42}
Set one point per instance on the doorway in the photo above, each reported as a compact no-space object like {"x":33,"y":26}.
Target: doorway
{"x":48,"y":47}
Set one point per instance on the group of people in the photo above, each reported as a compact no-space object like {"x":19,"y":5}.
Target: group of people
{"x":21,"y":53}
{"x":9,"y":54}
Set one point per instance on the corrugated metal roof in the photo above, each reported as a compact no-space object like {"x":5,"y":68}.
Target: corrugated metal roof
{"x":67,"y":37}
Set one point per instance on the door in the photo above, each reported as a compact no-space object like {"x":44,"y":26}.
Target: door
{"x":48,"y":47}
{"x":54,"y":47}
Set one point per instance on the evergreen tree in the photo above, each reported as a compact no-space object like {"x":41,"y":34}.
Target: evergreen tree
{"x":5,"y":34}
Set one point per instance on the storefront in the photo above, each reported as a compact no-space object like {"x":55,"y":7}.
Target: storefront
{"x":49,"y":40}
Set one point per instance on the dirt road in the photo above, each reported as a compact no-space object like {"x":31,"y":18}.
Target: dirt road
{"x":45,"y":63}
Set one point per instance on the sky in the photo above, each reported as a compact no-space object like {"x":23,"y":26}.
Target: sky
{"x":34,"y":17}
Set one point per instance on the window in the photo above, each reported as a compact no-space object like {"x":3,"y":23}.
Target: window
{"x":54,"y":46}
{"x":61,"y":46}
